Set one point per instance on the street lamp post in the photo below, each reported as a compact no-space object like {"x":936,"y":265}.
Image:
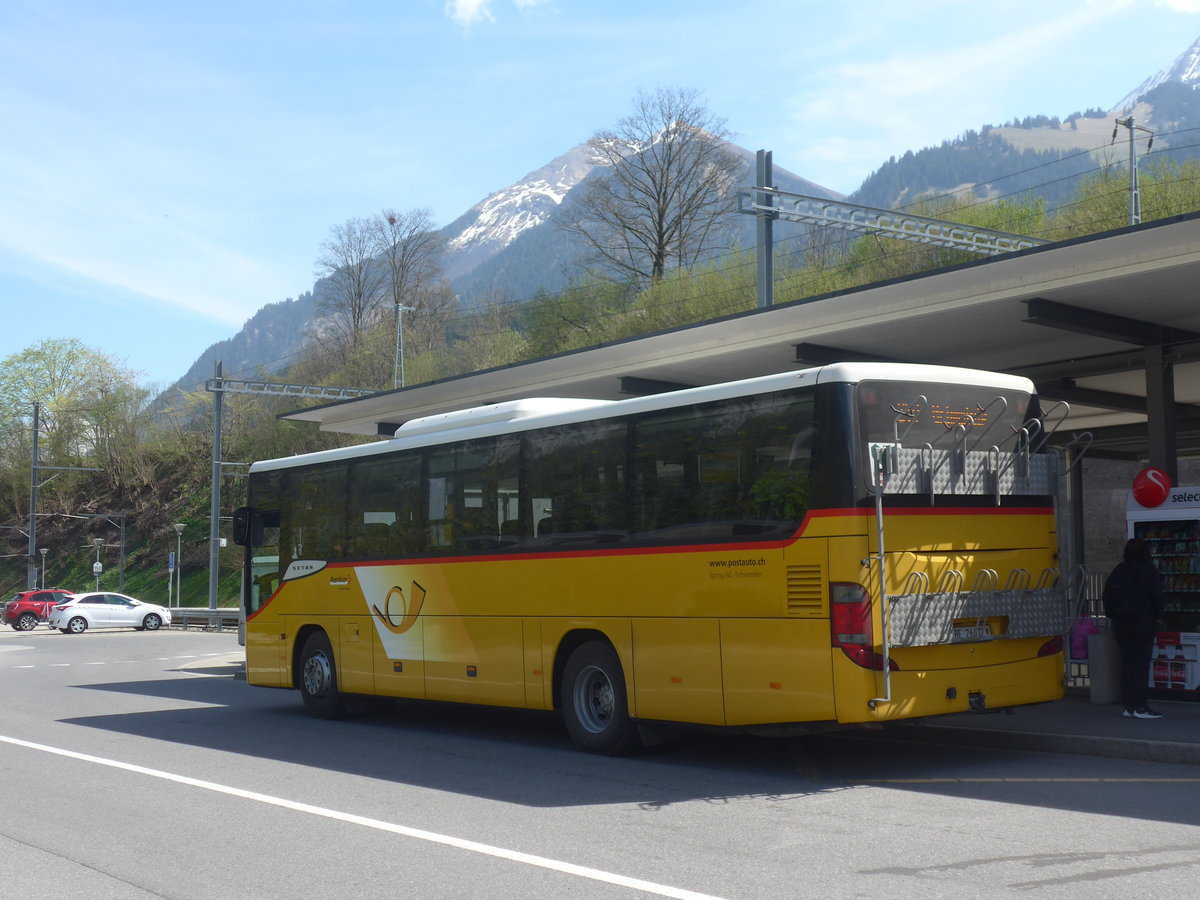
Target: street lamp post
{"x":43,"y":551}
{"x":97,"y":568}
{"x":179,"y":526}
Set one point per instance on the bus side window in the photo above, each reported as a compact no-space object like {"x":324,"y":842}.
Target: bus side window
{"x":471,"y":491}
{"x":575,"y":480}
{"x":384,"y":503}
{"x":439,"y":511}
{"x":668,"y":470}
{"x":725,"y":468}
{"x":317,"y":513}
{"x":513,"y":524}
{"x":781,"y":452}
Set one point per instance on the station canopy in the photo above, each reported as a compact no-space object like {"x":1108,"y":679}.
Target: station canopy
{"x":1100,"y":322}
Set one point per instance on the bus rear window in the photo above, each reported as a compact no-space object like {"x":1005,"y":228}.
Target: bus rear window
{"x":920,"y":413}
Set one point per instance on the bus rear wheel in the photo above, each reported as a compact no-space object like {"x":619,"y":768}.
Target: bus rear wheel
{"x":318,"y":678}
{"x":595,"y":705}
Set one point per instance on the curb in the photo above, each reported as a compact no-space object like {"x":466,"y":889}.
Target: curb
{"x":1177,"y":752}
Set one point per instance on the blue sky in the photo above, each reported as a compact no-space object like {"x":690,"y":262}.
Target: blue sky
{"x":168,"y":168}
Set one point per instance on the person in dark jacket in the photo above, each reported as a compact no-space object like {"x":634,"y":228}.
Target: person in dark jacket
{"x":1134,"y":623}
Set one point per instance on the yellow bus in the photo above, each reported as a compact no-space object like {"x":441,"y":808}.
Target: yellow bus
{"x":856,"y":543}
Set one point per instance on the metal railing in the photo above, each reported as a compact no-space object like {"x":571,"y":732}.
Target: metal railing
{"x":186,"y":617}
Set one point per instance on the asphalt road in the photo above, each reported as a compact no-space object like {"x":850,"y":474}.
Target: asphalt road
{"x":140,"y":765}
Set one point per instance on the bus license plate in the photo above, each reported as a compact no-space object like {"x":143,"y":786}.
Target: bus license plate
{"x":972,"y":633}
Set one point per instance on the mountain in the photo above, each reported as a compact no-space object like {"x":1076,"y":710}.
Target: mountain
{"x":509,"y":245}
{"x":266,"y":344}
{"x":491,"y":225}
{"x":1043,"y":153}
{"x":1185,"y":71}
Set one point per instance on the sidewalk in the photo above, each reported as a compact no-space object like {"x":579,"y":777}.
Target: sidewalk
{"x":1072,"y":725}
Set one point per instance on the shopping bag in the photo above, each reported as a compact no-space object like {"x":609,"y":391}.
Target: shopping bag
{"x":1081,"y":628}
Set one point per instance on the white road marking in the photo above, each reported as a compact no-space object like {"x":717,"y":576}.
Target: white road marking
{"x":433,"y":837}
{"x":117,"y":662}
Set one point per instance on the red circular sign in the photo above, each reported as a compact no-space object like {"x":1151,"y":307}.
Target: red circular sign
{"x":1151,"y":486}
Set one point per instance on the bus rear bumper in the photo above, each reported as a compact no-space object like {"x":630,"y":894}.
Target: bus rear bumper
{"x":863,"y":696}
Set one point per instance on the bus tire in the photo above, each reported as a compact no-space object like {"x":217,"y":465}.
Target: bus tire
{"x":318,"y":678}
{"x":595,"y":706}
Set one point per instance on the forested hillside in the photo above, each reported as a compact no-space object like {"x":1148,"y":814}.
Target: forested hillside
{"x":1038,"y":156}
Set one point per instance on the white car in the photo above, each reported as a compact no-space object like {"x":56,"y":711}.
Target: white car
{"x":102,"y":609}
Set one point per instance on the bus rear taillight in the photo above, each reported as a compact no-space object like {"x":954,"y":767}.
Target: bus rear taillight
{"x":850,"y":625}
{"x":1052,"y":646}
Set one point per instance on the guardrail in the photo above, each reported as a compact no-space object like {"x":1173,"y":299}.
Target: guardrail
{"x":186,"y":617}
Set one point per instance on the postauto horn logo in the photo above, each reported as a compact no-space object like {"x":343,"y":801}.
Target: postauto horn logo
{"x":404,"y":615}
{"x":1151,"y":486}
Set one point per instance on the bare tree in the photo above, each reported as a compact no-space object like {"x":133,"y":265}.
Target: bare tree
{"x":356,"y":282}
{"x":434,"y":304}
{"x":668,"y":186}
{"x":409,"y":248}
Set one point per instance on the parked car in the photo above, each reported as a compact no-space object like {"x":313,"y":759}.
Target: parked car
{"x":103,"y":609}
{"x":24,"y":611}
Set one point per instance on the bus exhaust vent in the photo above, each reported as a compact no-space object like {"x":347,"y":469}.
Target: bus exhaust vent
{"x":804,"y":594}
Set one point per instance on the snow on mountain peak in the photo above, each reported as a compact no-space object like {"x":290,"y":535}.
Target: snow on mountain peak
{"x":499,"y":219}
{"x":1185,"y":69}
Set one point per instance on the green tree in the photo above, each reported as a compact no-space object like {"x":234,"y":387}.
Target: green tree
{"x":488,"y":338}
{"x":84,"y":396}
{"x":88,"y":408}
{"x":576,"y":317}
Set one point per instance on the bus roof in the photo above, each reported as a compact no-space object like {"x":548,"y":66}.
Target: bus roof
{"x":537,"y":412}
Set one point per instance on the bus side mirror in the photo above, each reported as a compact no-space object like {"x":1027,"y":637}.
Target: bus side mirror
{"x":247,"y":527}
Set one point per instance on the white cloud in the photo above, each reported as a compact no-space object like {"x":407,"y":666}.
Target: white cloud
{"x":469,"y":12}
{"x":1183,"y":6}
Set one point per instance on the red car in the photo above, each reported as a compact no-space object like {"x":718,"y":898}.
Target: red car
{"x":24,"y":611}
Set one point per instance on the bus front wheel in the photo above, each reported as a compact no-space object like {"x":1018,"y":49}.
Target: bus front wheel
{"x":318,"y":678}
{"x":594,"y":703}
